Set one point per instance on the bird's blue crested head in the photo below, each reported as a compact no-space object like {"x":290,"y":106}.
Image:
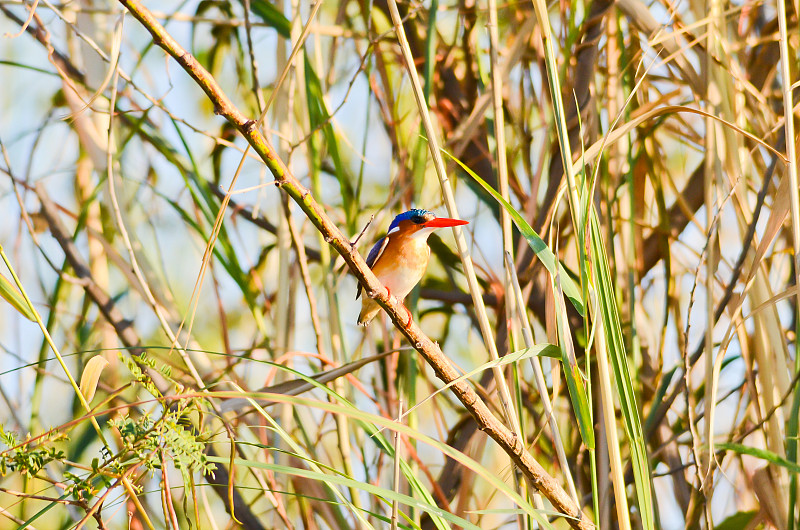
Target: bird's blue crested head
{"x":417,"y":215}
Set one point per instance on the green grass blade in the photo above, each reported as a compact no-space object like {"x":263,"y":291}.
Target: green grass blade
{"x":763,"y":454}
{"x":321,"y":119}
{"x":537,"y":244}
{"x":361,"y":416}
{"x":572,"y":373}
{"x":272,"y":17}
{"x":372,"y":432}
{"x":13,"y":297}
{"x":609,"y":313}
{"x":381,"y":493}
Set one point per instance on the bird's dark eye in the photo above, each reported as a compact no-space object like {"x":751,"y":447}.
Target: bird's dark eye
{"x":417,"y":219}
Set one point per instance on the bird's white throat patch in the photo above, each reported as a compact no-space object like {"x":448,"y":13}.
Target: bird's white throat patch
{"x":422,"y":234}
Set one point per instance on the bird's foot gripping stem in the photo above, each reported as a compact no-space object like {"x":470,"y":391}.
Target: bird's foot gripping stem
{"x":410,"y":318}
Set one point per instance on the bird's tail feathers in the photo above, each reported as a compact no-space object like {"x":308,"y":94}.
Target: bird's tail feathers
{"x":368,"y":313}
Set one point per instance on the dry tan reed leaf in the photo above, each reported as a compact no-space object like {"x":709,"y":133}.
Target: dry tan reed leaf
{"x":777,"y":214}
{"x":768,"y":494}
{"x":91,"y":376}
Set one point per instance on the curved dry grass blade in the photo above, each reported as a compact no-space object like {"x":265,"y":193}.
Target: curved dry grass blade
{"x":596,"y":148}
{"x":356,"y":414}
{"x":90,"y":377}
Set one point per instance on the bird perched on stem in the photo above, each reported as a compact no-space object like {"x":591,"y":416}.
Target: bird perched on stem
{"x":400,"y":258}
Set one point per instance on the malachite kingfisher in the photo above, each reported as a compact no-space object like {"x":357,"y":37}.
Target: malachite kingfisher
{"x":399,"y":259}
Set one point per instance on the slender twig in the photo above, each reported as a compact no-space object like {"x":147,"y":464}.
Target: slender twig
{"x":144,"y":287}
{"x":396,"y":472}
{"x":305,"y":275}
{"x":357,"y":239}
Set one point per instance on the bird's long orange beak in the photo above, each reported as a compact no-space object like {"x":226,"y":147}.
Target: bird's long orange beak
{"x":443,"y":222}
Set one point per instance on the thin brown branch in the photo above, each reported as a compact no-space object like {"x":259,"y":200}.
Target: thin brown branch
{"x":284,"y":180}
{"x":105,"y":304}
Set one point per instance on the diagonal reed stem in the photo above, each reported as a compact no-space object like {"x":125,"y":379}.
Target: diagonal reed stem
{"x":430,"y":351}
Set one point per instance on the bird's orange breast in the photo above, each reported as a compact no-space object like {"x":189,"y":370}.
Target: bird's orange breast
{"x":402,"y":264}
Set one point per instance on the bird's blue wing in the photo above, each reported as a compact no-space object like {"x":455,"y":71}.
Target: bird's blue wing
{"x":376,"y":251}
{"x":372,"y":257}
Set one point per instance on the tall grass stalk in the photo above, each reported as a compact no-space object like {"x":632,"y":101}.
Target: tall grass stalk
{"x":793,"y":443}
{"x":541,"y":385}
{"x":452,"y":209}
{"x":502,"y":179}
{"x":602,"y":283}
